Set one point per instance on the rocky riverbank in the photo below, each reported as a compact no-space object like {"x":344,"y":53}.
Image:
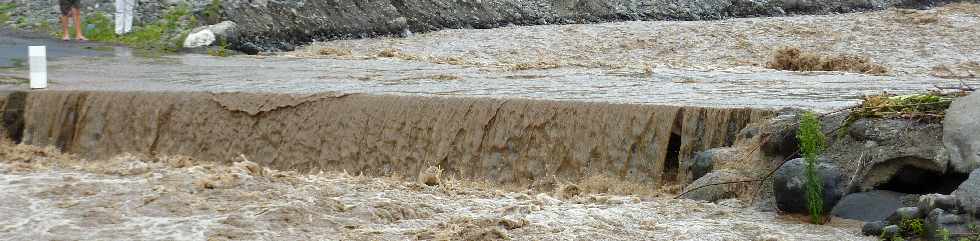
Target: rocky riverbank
{"x":283,"y":25}
{"x":907,"y":167}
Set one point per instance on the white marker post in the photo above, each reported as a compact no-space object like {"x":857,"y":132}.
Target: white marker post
{"x":39,"y":67}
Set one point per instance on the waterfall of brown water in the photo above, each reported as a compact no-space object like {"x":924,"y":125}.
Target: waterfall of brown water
{"x":504,"y":140}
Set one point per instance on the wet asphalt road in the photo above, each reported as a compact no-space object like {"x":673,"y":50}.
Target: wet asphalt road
{"x":14,"y":43}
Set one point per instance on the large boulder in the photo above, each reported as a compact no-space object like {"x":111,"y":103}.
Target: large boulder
{"x":222,"y":33}
{"x":709,"y":160}
{"x":968,"y":194}
{"x":961,"y":133}
{"x":703,"y":163}
{"x":947,"y":203}
{"x":707,"y":191}
{"x":879,"y":151}
{"x":202,"y":38}
{"x":779,"y":135}
{"x":225,"y":31}
{"x":790,"y":191}
{"x":868,"y":206}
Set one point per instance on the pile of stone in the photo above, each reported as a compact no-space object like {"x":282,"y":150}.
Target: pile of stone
{"x":942,"y":217}
{"x":902,"y":177}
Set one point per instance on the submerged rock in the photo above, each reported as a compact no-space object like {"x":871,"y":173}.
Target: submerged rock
{"x":704,"y":162}
{"x":868,"y":206}
{"x":905,"y":213}
{"x":431,"y":176}
{"x":716,"y":192}
{"x":873,"y":228}
{"x":789,"y":186}
{"x":961,"y":133}
{"x":968,"y":194}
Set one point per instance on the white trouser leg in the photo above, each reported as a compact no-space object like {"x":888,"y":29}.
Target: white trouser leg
{"x":130,"y":9}
{"x":120,"y":16}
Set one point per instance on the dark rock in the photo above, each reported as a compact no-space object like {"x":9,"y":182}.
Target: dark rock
{"x":225,"y":31}
{"x":789,"y":186}
{"x":961,"y":133}
{"x":947,"y":203}
{"x":968,"y":193}
{"x":748,"y":132}
{"x":716,"y":192}
{"x":779,"y":136}
{"x":905,"y":213}
{"x":889,"y":231}
{"x":940,"y":223}
{"x":703,"y":163}
{"x":910,"y":200}
{"x":873,"y":228}
{"x":868,"y":206}
{"x":918,"y":4}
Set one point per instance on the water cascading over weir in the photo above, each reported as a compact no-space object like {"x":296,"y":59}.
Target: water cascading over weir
{"x":503,"y":140}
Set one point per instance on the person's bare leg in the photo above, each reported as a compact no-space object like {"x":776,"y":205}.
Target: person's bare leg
{"x":78,"y":24}
{"x":64,"y":27}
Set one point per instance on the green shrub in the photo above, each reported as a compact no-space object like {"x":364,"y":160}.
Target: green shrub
{"x":104,"y":29}
{"x":212,"y":14}
{"x":944,"y":234}
{"x":221,"y":50}
{"x":21,"y":22}
{"x":5,"y":9}
{"x":166,"y":34}
{"x":912,"y":227}
{"x":45,"y":27}
{"x":812,"y":144}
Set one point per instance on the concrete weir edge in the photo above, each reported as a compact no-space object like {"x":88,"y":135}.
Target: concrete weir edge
{"x":502,"y":140}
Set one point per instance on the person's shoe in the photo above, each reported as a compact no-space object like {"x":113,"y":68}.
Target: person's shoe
{"x":65,"y":38}
{"x":81,"y":38}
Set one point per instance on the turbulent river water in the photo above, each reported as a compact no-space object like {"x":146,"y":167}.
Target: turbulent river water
{"x":50,"y":196}
{"x":697,"y":63}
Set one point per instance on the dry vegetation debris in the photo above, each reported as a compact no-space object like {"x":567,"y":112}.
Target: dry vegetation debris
{"x":930,"y":107}
{"x":334,"y":52}
{"x":795,"y":59}
{"x":911,"y":16}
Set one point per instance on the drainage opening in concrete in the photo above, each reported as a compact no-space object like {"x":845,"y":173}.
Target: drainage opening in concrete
{"x":672,"y":161}
{"x":914,"y":180}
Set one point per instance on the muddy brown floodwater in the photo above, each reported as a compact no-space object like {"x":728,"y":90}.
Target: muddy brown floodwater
{"x":696,"y":63}
{"x":45,"y":195}
{"x":50,"y":196}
